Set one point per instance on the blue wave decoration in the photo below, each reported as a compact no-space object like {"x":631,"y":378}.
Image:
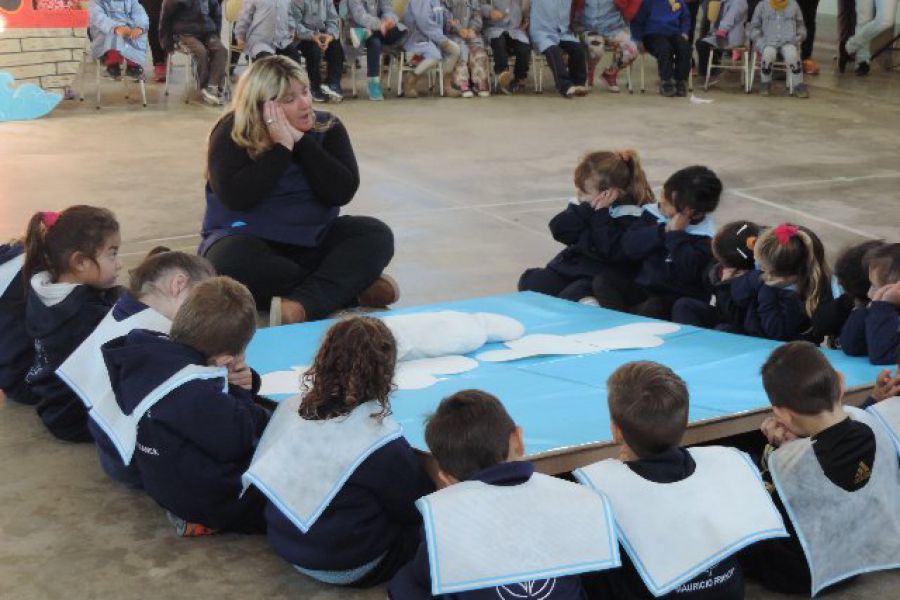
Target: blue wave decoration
{"x":24,"y":101}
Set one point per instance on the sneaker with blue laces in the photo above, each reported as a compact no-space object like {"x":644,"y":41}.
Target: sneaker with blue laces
{"x":375,"y":92}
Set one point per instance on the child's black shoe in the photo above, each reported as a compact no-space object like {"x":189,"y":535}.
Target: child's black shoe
{"x":114,"y":71}
{"x":667,"y":89}
{"x":862,"y":69}
{"x":681,"y":89}
{"x":135,"y":72}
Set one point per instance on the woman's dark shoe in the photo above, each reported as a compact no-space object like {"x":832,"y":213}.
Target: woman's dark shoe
{"x":382,"y":293}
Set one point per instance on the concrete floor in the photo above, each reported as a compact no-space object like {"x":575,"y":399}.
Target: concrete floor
{"x":468,"y":187}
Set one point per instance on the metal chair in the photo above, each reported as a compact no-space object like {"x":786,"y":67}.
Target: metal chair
{"x":190,"y":69}
{"x":641,"y":61}
{"x":98,"y":66}
{"x":776,"y":66}
{"x":744,"y":67}
{"x":400,"y":63}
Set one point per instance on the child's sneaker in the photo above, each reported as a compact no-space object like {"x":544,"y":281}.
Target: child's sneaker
{"x":375,"y":92}
{"x":504,"y":82}
{"x":484,"y":94}
{"x":135,"y":72}
{"x":114,"y":71}
{"x":333,"y":92}
{"x":681,"y":89}
{"x":211,"y":96}
{"x":667,"y":89}
{"x":800,"y":91}
{"x":187,"y":529}
{"x":358,"y":36}
{"x":765,"y":88}
{"x":468,"y":93}
{"x":611,"y":78}
{"x":318,"y":96}
{"x":159,"y":73}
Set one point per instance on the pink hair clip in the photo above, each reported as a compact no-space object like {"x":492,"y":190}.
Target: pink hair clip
{"x":785,"y":232}
{"x":49,"y":219}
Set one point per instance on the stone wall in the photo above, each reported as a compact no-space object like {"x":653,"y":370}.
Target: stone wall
{"x":50,"y":58}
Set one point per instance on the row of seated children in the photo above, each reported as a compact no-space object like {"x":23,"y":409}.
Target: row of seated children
{"x":666,"y":260}
{"x":336,"y":486}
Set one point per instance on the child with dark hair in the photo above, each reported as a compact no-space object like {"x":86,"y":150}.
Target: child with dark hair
{"x":16,"y":347}
{"x":158,"y":287}
{"x":194,"y":428}
{"x":499,"y":528}
{"x":340,"y":478}
{"x":679,"y":539}
{"x":732,"y":249}
{"x":873,"y":329}
{"x":610,"y":189}
{"x":193,"y":26}
{"x":852,"y":304}
{"x":834,"y":476}
{"x":71,"y":267}
{"x":671,"y":242}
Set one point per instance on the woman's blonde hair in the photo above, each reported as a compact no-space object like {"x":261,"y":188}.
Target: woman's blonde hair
{"x":267,"y":79}
{"x":621,"y":169}
{"x":792,"y":251}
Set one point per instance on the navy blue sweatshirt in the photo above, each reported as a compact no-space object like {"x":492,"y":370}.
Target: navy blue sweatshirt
{"x":873,"y":331}
{"x":672,"y":262}
{"x":593,"y":239}
{"x":57,"y":331}
{"x":374,"y":507}
{"x":16,"y":347}
{"x":195,"y":443}
{"x":725,"y":581}
{"x":413,"y":581}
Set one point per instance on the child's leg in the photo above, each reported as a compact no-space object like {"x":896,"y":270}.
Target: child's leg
{"x":450,"y":52}
{"x":769,"y":54}
{"x":218,"y":58}
{"x":578,"y":289}
{"x":656,"y":307}
{"x":627,"y":49}
{"x":682,"y":49}
{"x":690,"y":311}
{"x":201,"y":59}
{"x":544,"y":281}
{"x":479,"y":69}
{"x":577,"y":61}
{"x":313,"y":56}
{"x":334,"y":59}
{"x":554,"y":56}
{"x":616,"y":291}
{"x":662,"y":51}
{"x":595,"y":46}
{"x":522,"y":52}
{"x":112,"y":58}
{"x":461,"y":75}
{"x":792,"y":60}
{"x":704,"y":49}
{"x":424,"y":65}
{"x":401,"y":552}
{"x":373,"y":54}
{"x":501,"y":58}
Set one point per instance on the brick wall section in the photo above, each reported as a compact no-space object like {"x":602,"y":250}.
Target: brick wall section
{"x":50,"y":58}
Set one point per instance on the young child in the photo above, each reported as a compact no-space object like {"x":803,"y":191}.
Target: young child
{"x":463,"y":26}
{"x":727,"y":30}
{"x":427,"y":43}
{"x":782,"y":295}
{"x":16,"y":348}
{"x":71,"y":265}
{"x":682,"y":537}
{"x":610,"y":189}
{"x":551,"y":33}
{"x":732,"y":249}
{"x":777,"y":26}
{"x":352,"y":520}
{"x":497,"y":521}
{"x":194,"y":26}
{"x":873,"y":330}
{"x":605,"y":29}
{"x":835,"y":477}
{"x":853,"y":279}
{"x":671,"y":241}
{"x":266,"y":27}
{"x":662,"y":26}
{"x":505,"y":22}
{"x":157,"y":288}
{"x":318,"y":29}
{"x":196,"y":427}
{"x":374,"y":23}
{"x":119,"y":33}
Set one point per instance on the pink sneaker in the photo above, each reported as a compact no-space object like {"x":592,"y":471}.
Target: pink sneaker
{"x":159,"y":73}
{"x":611,"y":79}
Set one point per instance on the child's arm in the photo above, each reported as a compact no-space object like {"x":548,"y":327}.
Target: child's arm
{"x":407,"y":483}
{"x":567,"y":226}
{"x":756,"y":31}
{"x":643,"y":238}
{"x":332,"y":20}
{"x":882,"y":335}
{"x":423,"y":14}
{"x":801,"y":26}
{"x":103,"y":21}
{"x":139,"y":17}
{"x":245,"y":19}
{"x":606,"y":236}
{"x":781,"y":315}
{"x":684,"y":19}
{"x":362,"y":17}
{"x":303,"y":32}
{"x":853,"y":333}
{"x":745,"y":288}
{"x":690,"y":256}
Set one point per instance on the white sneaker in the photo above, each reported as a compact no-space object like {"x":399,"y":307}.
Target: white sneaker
{"x":589,"y":301}
{"x":484,"y":94}
{"x":211,"y":97}
{"x":332,"y":94}
{"x":468,"y":94}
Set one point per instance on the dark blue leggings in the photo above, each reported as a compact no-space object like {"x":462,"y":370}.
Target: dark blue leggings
{"x":374,"y":44}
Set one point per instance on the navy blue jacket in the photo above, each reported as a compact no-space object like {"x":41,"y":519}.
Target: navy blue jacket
{"x":775,"y":313}
{"x":593,"y":240}
{"x":725,"y":581}
{"x":195,"y":443}
{"x":873,"y":331}
{"x":57,"y":331}
{"x":672,"y":262}
{"x":16,"y":347}
{"x":413,"y":581}
{"x":365,"y":517}
{"x":658,"y":17}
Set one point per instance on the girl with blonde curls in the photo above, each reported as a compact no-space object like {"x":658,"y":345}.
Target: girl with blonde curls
{"x":278,"y":173}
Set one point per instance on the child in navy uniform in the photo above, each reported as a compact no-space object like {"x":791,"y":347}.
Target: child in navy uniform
{"x":697,"y":526}
{"x":478,"y":449}
{"x":663,"y":27}
{"x":16,"y":348}
{"x":823,"y":459}
{"x":157,"y":288}
{"x":352,"y":521}
{"x":853,"y":278}
{"x":194,"y":443}
{"x":792,"y":279}
{"x":732,"y":248}
{"x":71,"y":265}
{"x":611,"y":187}
{"x":874,"y":330}
{"x":671,"y":241}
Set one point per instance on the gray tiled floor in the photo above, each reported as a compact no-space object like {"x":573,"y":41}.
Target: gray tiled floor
{"x":468,"y":187}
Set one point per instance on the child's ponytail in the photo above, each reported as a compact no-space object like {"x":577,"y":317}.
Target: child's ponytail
{"x":639,"y":188}
{"x":792,"y":251}
{"x":35,"y":252}
{"x":814,"y":275}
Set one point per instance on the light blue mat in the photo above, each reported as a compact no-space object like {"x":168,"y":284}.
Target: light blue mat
{"x":561,"y":401}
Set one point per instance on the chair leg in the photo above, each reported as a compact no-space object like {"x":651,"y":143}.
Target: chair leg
{"x":440,"y":67}
{"x":709,"y":63}
{"x":168,"y":74}
{"x":97,"y":76}
{"x":630,"y":83}
{"x":643,"y":86}
{"x":401,"y":62}
{"x":353,"y":76}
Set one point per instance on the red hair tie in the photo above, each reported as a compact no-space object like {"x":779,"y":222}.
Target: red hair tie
{"x":785,"y":232}
{"x":49,"y":219}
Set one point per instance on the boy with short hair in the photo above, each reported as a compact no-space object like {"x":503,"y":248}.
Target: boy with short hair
{"x":680,"y":538}
{"x":194,"y":26}
{"x":663,"y":27}
{"x":317,"y":27}
{"x":196,"y":433}
{"x":497,"y":520}
{"x":874,"y":330}
{"x":834,"y":476}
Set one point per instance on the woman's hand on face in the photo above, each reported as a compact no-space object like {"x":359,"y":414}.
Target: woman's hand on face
{"x":277,"y":124}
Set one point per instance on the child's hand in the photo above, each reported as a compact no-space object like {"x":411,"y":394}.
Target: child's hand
{"x":241,"y":43}
{"x":722,"y":34}
{"x":776,"y":432}
{"x":136,"y":33}
{"x":496,"y":15}
{"x":888,"y":293}
{"x":679,"y":222}
{"x":604,"y":198}
{"x":886,"y":386}
{"x":239,"y":374}
{"x":467,"y":34}
{"x":121,"y":31}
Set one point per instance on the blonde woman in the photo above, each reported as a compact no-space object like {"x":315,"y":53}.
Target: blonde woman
{"x":278,"y":174}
